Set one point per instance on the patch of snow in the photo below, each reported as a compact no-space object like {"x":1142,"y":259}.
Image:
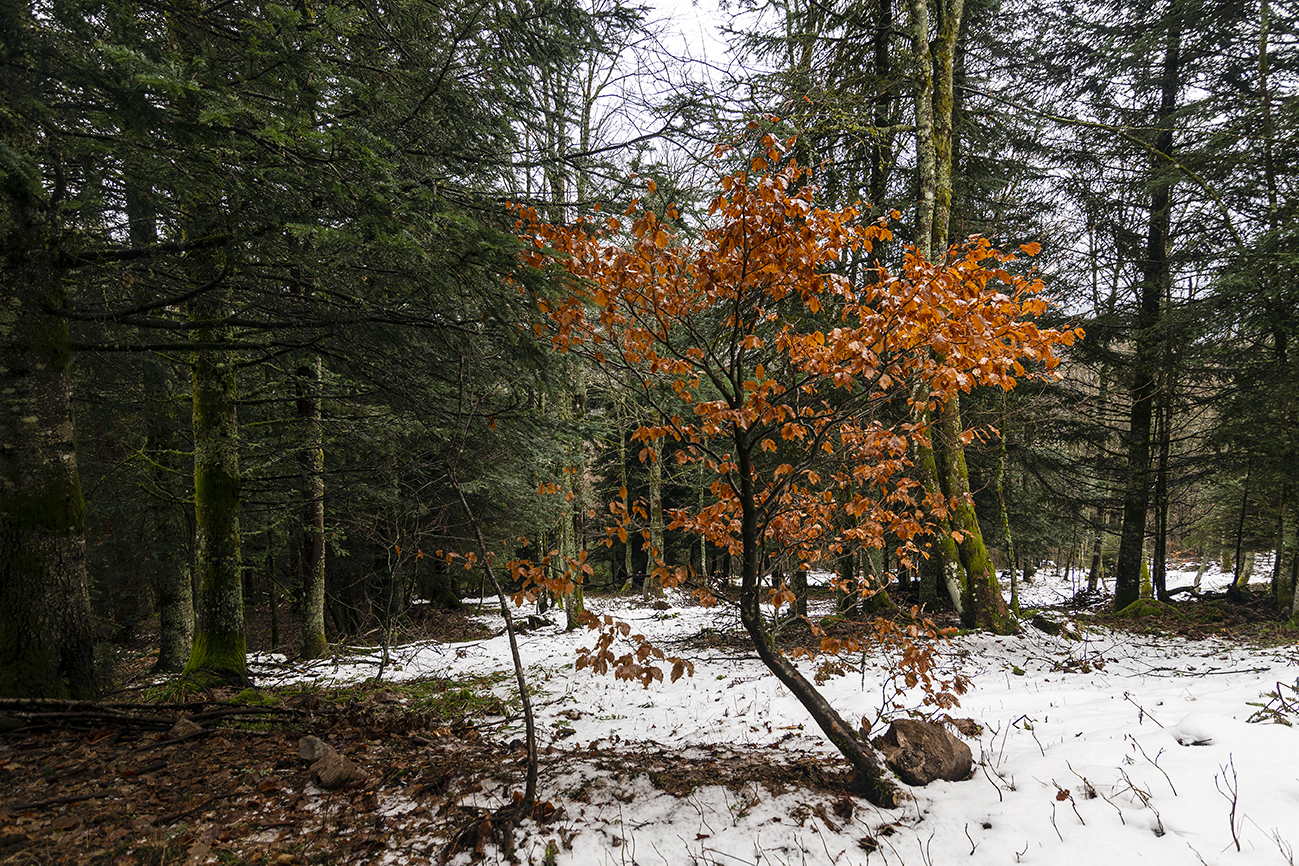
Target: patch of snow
{"x":1085,"y":754}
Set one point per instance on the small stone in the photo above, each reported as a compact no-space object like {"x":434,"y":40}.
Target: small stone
{"x":329,"y":769}
{"x":183,"y":728}
{"x":334,"y":771}
{"x":313,"y":748}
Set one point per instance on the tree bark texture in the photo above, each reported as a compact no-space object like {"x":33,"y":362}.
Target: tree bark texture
{"x":657,"y":554}
{"x":46,"y":647}
{"x":220,"y":647}
{"x":926,"y":157}
{"x":314,"y":643}
{"x":983,"y":590}
{"x":962,"y":566}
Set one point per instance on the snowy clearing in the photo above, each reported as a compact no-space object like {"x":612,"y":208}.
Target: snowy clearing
{"x":1119,"y":748}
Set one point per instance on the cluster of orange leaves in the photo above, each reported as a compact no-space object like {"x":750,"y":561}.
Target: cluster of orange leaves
{"x":778,"y":364}
{"x":639,"y":664}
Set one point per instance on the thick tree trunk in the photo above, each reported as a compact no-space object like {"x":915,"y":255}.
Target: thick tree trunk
{"x":169,"y":556}
{"x":46,"y":648}
{"x":950,"y":13}
{"x":987,"y":606}
{"x":220,"y":647}
{"x":940,"y":571}
{"x":170,"y":546}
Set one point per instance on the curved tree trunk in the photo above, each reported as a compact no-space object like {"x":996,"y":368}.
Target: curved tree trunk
{"x":871,"y":780}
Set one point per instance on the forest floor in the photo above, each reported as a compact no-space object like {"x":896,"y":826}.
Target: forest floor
{"x":1078,"y":756}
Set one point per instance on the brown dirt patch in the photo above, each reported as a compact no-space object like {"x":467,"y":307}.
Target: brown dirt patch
{"x":104,"y":784}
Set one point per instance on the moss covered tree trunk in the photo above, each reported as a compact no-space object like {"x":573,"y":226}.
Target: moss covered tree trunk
{"x":941,"y":571}
{"x":220,"y":646}
{"x":657,"y":554}
{"x":983,"y":590}
{"x":963,"y":566}
{"x":46,"y":647}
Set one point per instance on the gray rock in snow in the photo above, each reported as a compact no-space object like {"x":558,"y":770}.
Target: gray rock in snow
{"x":920,"y":752}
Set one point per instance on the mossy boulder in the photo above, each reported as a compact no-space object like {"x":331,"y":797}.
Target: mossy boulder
{"x":1144,"y":607}
{"x":1056,"y":626}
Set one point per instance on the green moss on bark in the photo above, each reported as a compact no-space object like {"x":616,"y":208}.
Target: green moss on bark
{"x":218,"y":659}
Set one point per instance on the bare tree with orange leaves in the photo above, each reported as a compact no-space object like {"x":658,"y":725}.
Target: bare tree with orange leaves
{"x":793,"y":385}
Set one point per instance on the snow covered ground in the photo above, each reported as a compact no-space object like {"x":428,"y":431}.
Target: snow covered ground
{"x":1112,"y":750}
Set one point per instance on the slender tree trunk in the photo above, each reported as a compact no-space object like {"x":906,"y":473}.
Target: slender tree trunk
{"x":575,"y":514}
{"x":1283,"y":584}
{"x":657,"y":554}
{"x":1159,"y":568}
{"x":1236,"y":583}
{"x":876,"y":581}
{"x":1199,"y":572}
{"x":870,"y":778}
{"x":1007,"y":540}
{"x":800,"y":592}
{"x":529,"y":724}
{"x":1156,"y":273}
{"x":703,"y":538}
{"x":950,"y":14}
{"x":314,"y":643}
{"x":628,"y":564}
{"x":926,"y":158}
{"x":881,"y":146}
